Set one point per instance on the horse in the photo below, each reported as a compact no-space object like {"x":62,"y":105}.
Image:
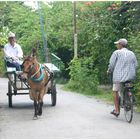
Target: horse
{"x":37,"y":79}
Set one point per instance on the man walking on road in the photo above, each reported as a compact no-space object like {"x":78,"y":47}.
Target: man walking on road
{"x":122,"y":65}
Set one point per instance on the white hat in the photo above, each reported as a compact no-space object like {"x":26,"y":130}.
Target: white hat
{"x":121,"y":41}
{"x":11,"y":35}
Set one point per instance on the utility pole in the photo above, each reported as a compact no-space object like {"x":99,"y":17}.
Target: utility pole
{"x":47,"y":57}
{"x":75,"y":29}
{"x":42,"y":32}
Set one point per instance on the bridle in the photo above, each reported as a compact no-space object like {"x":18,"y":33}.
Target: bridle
{"x":32,"y":75}
{"x":30,"y":69}
{"x":41,"y":70}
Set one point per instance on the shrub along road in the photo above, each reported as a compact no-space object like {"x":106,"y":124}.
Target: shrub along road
{"x":74,"y":116}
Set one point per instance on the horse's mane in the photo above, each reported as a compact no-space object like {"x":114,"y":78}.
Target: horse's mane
{"x":30,"y":57}
{"x":34,"y":51}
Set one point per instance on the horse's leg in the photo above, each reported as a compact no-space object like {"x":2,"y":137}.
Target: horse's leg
{"x":40,"y":108}
{"x":35,"y":109}
{"x":40,"y":102}
{"x":35,"y":98}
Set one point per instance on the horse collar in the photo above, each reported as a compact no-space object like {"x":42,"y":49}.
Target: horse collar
{"x":41,"y":75}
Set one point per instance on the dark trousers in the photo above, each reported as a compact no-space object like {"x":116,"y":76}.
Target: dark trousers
{"x":14,"y":64}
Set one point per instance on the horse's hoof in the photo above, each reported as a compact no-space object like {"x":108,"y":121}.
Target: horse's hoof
{"x":39,"y":113}
{"x":35,"y":118}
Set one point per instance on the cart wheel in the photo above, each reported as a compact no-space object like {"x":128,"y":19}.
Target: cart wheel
{"x":53,"y":94}
{"x":9,"y":94}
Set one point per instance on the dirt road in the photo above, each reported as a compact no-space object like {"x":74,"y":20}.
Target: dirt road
{"x":74,"y":116}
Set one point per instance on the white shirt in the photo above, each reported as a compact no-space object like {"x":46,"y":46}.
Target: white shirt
{"x":123,"y":64}
{"x":14,"y":52}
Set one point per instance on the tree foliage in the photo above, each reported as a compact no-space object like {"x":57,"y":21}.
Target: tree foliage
{"x":99,"y":24}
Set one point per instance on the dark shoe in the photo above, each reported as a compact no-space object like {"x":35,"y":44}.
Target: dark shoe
{"x":114,"y":113}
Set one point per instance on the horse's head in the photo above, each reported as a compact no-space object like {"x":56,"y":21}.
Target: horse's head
{"x":29,"y":62}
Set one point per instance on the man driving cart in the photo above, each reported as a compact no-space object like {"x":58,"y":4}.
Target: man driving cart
{"x":13,"y":53}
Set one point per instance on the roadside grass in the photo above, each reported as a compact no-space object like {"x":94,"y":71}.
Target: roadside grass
{"x":137,"y":108}
{"x":104,"y":94}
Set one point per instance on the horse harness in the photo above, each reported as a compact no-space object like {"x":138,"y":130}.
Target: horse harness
{"x":41,"y":68}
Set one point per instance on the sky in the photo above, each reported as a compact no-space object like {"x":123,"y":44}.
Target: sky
{"x":34,"y":4}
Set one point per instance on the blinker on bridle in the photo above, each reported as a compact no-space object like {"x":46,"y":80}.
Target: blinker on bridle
{"x":30,"y":67}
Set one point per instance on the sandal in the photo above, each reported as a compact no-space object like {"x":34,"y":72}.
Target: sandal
{"x":114,"y":113}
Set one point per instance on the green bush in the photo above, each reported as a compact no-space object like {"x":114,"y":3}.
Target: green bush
{"x":134,"y":46}
{"x":83,"y":77}
{"x":3,"y":41}
{"x":2,"y":65}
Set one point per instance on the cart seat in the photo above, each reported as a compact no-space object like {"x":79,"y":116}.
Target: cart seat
{"x":10,"y":69}
{"x":13,"y":70}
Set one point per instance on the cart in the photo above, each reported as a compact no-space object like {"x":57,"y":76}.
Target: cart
{"x":16,"y":86}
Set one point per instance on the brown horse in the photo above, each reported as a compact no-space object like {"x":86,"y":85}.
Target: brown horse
{"x":37,"y":78}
